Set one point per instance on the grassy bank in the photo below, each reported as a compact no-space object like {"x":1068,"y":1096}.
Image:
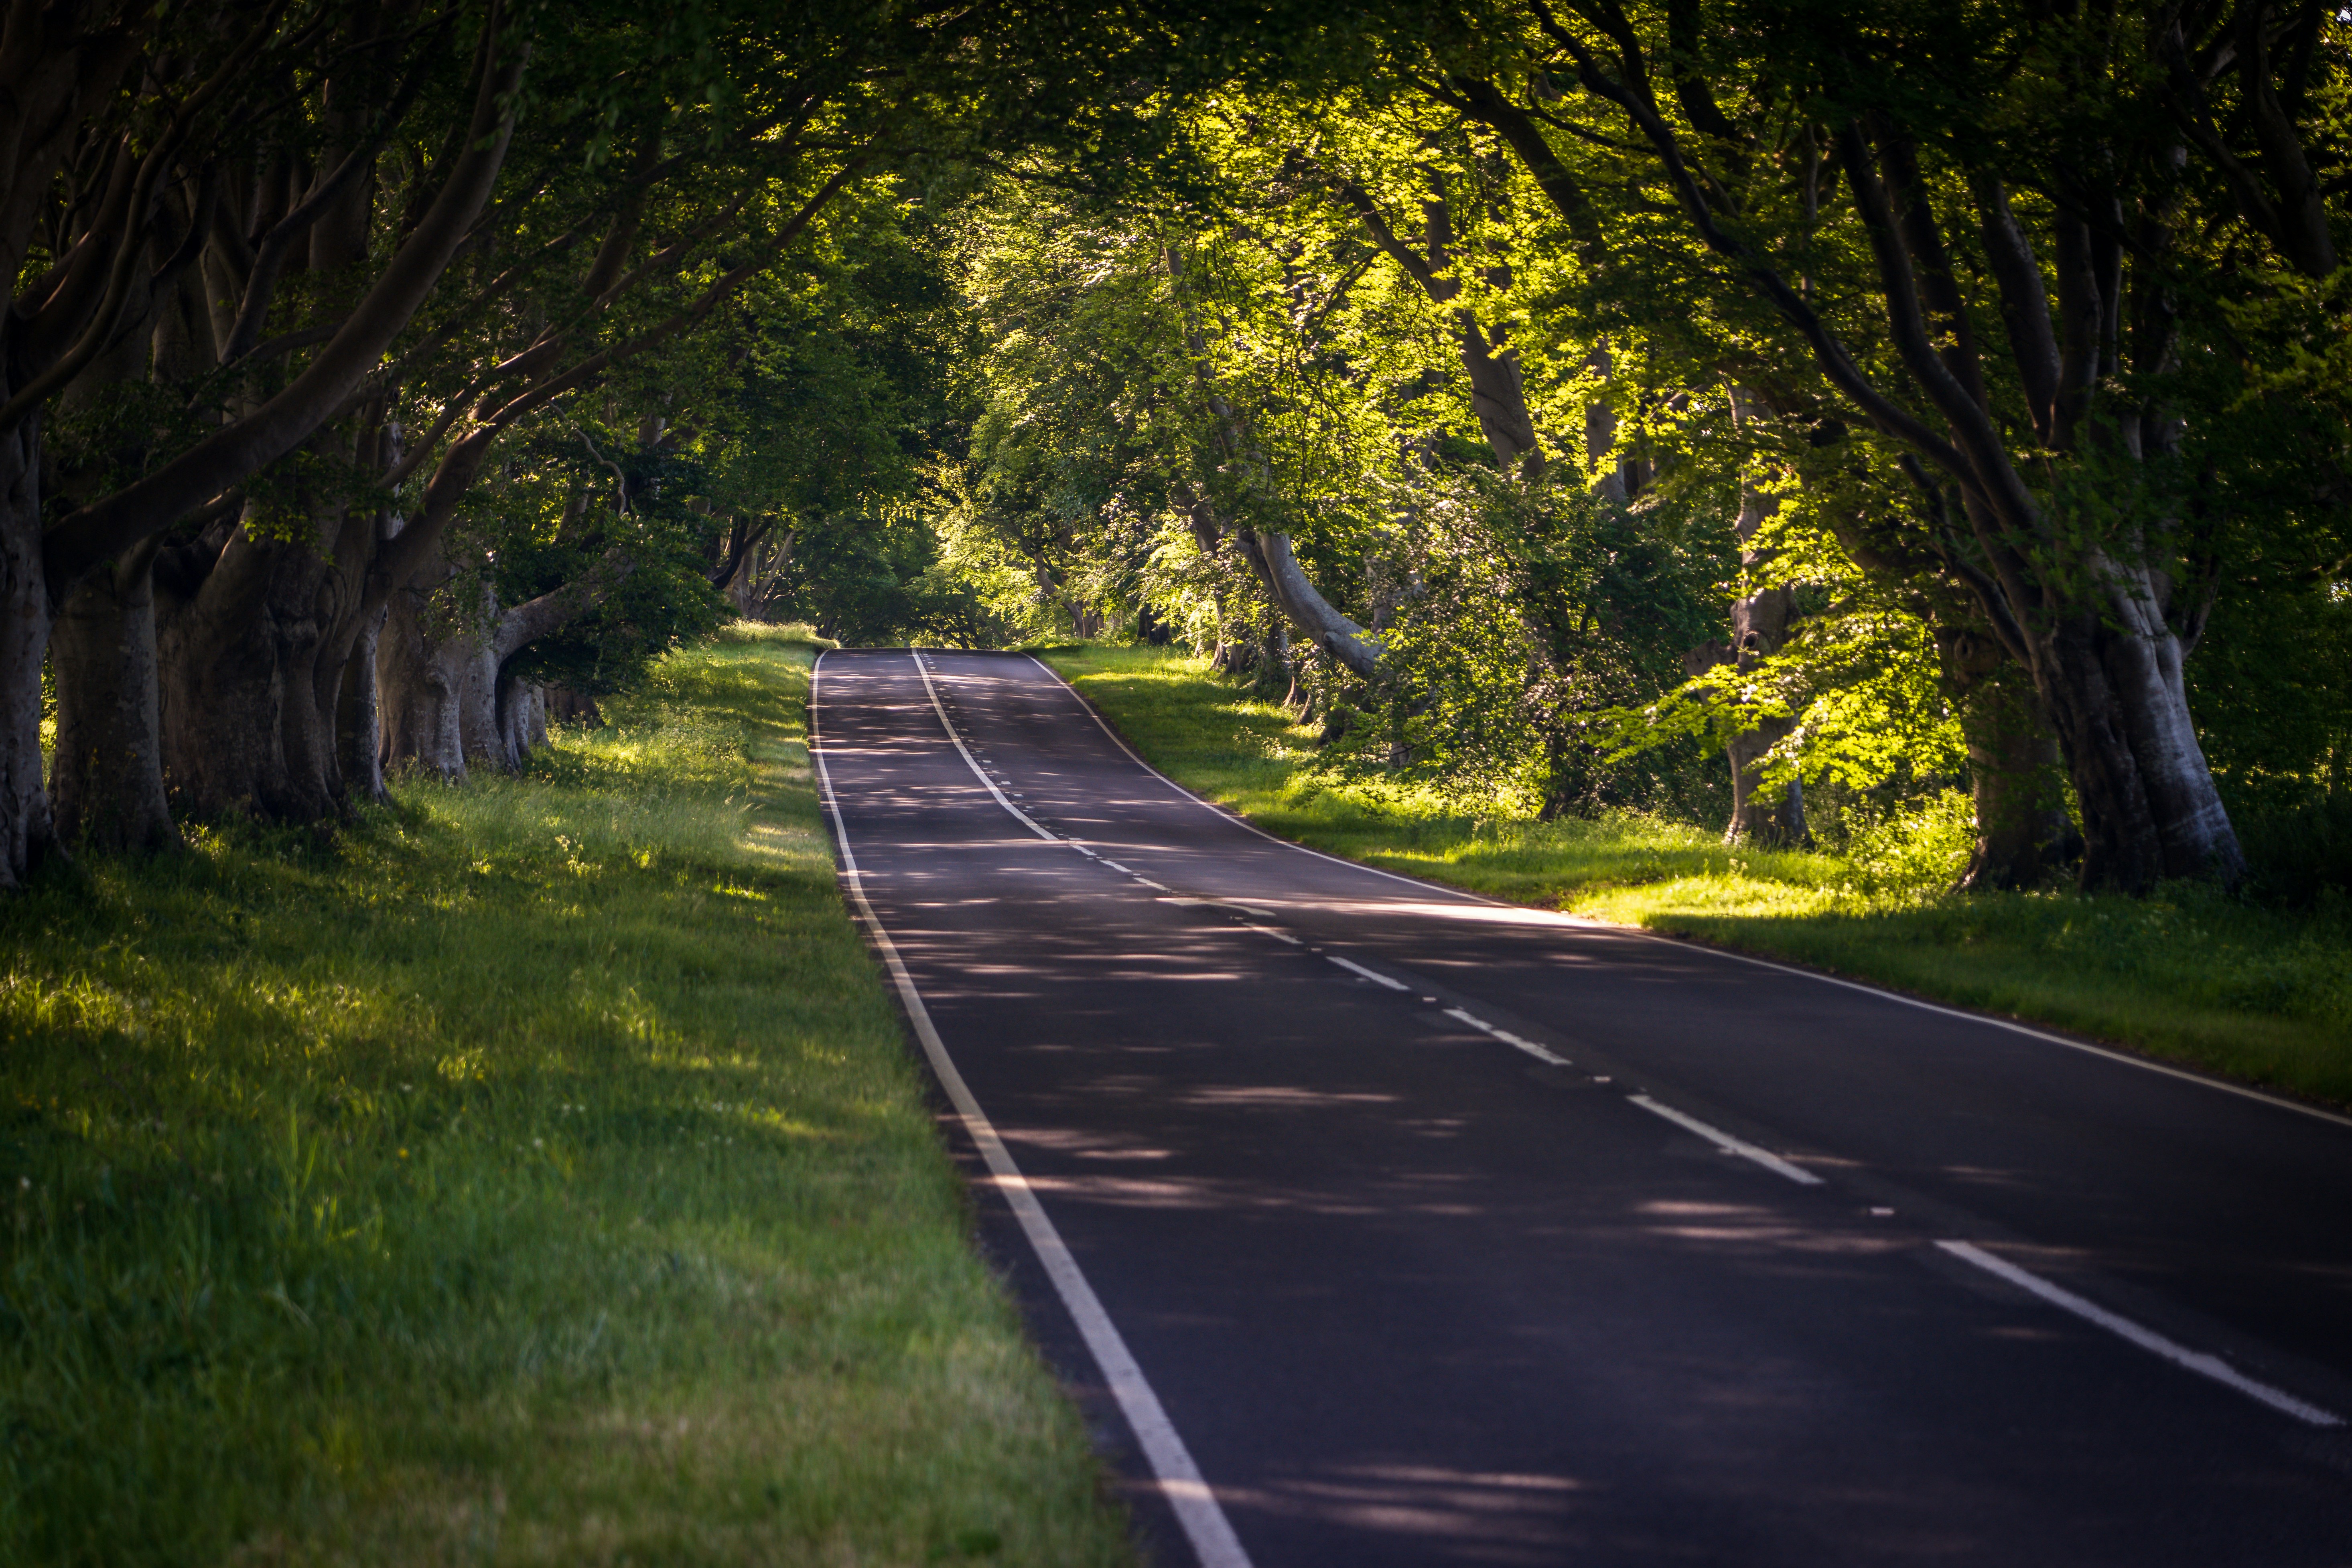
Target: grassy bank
{"x":2192,"y":976}
{"x":531,"y":1174}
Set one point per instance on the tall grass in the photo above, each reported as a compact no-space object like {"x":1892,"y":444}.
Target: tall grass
{"x":532,"y":1172}
{"x":2263,"y":994}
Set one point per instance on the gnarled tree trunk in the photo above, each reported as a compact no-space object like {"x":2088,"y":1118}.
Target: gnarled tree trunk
{"x":424,"y":659}
{"x":478,"y":701}
{"x":1287,"y":583}
{"x":107,"y":783}
{"x":450,"y":699}
{"x":521,"y":718}
{"x":358,"y":720}
{"x":2112,"y":684}
{"x":253,"y":676}
{"x":28,"y":835}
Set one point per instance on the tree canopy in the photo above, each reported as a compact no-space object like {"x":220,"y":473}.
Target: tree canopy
{"x":1742,"y":408}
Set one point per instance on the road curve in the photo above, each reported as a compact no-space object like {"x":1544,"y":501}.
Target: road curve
{"x":1380,"y":1224}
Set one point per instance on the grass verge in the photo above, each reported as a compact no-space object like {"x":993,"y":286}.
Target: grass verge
{"x":534,"y":1173}
{"x":2192,"y":976}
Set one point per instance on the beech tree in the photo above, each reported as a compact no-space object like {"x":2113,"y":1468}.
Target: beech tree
{"x":298,"y":292}
{"x":1990,"y":258}
{"x":1871,"y":394}
{"x":122,"y":245}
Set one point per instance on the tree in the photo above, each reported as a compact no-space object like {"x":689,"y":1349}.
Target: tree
{"x":99,"y":293}
{"x":288,"y":409}
{"x":1987,"y":257}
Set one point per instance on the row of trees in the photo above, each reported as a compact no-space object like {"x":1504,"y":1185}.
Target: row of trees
{"x":357,"y":349}
{"x":1546,"y":394}
{"x":1983,"y":366}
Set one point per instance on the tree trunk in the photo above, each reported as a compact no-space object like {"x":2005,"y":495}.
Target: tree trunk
{"x":359,"y":722}
{"x":518,"y":711}
{"x":522,"y":719}
{"x":1287,"y":584}
{"x":2023,"y":834}
{"x":1760,"y":625}
{"x":2150,"y":811}
{"x":1768,"y":818}
{"x":450,"y":704}
{"x":1276,"y":678}
{"x":478,"y":698}
{"x":1762,"y":816}
{"x":107,"y":783}
{"x":420,"y":685}
{"x":248,"y":702}
{"x":1233,"y":658}
{"x":27,"y":833}
{"x":1608,"y":482}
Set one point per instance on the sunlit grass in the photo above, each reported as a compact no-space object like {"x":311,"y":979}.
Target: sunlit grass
{"x":534,"y":1173}
{"x":2262,"y":994}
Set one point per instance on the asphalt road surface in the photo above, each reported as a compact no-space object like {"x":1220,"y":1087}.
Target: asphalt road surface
{"x":1378,"y":1224}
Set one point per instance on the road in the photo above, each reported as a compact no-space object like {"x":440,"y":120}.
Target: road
{"x":1380,"y":1224}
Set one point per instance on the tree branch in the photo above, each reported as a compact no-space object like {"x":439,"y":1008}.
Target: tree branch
{"x":103,"y":530}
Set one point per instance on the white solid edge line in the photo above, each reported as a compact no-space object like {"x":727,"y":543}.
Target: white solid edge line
{"x":1372,"y":974}
{"x":2148,"y":1339}
{"x":1509,"y":1038}
{"x":1727,"y":1144}
{"x":1196,"y":1507}
{"x":2011,"y":1025}
{"x":1235,"y":817}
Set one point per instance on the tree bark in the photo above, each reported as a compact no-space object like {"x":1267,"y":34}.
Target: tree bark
{"x":521,"y":719}
{"x":477,"y":698}
{"x":63,"y":66}
{"x":2023,"y":835}
{"x":358,"y":719}
{"x":28,"y":835}
{"x":1287,"y":582}
{"x":1759,"y":625}
{"x":451,"y":703}
{"x":255,"y":652}
{"x":420,"y":680}
{"x":2016,"y":770}
{"x":245,"y":732}
{"x":1601,"y":438}
{"x":107,"y":782}
{"x":2115,"y":694}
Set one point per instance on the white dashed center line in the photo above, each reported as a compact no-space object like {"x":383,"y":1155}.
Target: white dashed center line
{"x":1727,"y":1144}
{"x":1509,"y":1038}
{"x":1196,"y":1507}
{"x":1371,"y":975}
